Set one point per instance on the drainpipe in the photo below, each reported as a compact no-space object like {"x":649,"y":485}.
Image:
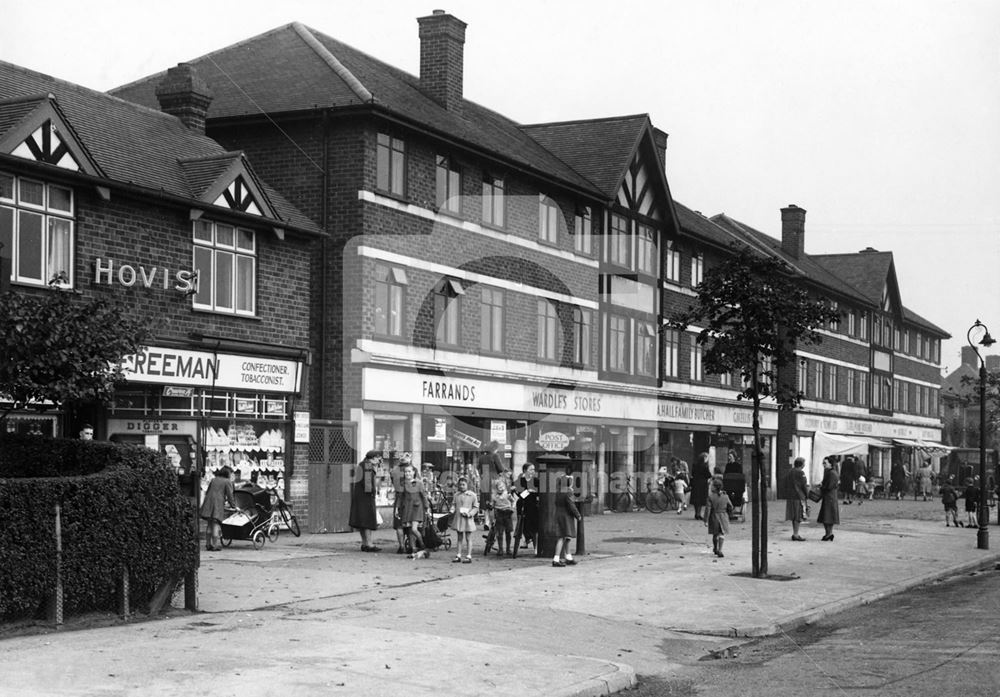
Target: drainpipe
{"x":320,"y":409}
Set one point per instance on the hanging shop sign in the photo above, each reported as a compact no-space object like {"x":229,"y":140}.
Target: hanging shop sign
{"x":109,"y":272}
{"x":553,"y":441}
{"x":153,"y":427}
{"x":182,"y":367}
{"x":466,"y":438}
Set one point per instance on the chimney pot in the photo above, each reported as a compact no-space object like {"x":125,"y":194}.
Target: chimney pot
{"x":793,"y":230}
{"x":442,"y":58}
{"x":182,"y":93}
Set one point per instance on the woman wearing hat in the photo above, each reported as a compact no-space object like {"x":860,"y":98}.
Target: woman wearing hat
{"x":363,"y":515}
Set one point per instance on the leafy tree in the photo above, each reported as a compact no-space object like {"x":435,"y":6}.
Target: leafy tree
{"x":754,"y":311}
{"x":58,"y":348}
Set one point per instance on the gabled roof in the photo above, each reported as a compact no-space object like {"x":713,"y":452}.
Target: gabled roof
{"x":35,"y":128}
{"x":695,"y":224}
{"x":868,"y":271}
{"x":145,"y":148}
{"x":294,"y":68}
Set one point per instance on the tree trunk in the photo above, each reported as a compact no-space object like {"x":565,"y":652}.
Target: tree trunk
{"x":762,"y":489}
{"x":755,"y":510}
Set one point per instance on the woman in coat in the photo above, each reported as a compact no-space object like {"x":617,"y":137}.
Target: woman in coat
{"x":701,"y":473}
{"x":798,"y":492}
{"x":218,"y":497}
{"x":897,"y":480}
{"x":829,"y":511}
{"x":362,"y":516}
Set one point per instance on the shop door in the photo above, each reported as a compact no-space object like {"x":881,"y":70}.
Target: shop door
{"x":332,"y":454}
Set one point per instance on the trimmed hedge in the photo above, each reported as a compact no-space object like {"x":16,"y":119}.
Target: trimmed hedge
{"x":120,"y":508}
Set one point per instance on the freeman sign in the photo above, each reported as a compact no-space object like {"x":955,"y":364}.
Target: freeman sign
{"x":168,"y":366}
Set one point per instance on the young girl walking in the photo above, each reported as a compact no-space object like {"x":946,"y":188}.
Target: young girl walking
{"x":567,"y":515}
{"x":464,"y":509}
{"x":717,"y":515}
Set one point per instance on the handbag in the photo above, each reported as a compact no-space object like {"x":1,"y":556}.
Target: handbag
{"x":815,"y":496}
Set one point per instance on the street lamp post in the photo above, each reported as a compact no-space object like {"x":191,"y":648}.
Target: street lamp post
{"x":983,"y":537}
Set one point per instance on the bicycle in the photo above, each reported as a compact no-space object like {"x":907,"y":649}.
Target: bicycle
{"x":659,"y":499}
{"x":281,"y":513}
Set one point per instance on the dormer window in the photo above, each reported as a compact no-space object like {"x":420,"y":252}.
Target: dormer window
{"x":36,"y":230}
{"x":225,"y":260}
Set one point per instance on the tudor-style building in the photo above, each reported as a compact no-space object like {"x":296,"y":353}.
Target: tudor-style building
{"x":488,"y":280}
{"x":136,"y":205}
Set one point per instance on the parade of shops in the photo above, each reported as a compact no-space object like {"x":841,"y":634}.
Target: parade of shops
{"x":446,"y":277}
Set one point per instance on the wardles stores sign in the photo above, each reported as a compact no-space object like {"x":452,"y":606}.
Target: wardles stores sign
{"x":169,"y":366}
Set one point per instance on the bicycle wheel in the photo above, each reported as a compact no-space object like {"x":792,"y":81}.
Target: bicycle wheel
{"x":291,"y":521}
{"x":623,"y":503}
{"x":657,"y":501}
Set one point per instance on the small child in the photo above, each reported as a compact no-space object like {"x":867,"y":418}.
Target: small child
{"x":949,"y":497}
{"x":464,"y":509}
{"x":717,"y":515}
{"x":567,"y":515}
{"x":971,"y":502}
{"x":503,"y":514}
{"x":680,"y":484}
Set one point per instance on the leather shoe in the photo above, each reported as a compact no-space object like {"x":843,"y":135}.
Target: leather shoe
{"x":571,"y":562}
{"x":558,"y":563}
{"x":797,"y":538}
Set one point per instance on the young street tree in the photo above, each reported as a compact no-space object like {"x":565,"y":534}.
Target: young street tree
{"x":56,"y":348}
{"x":753,"y":312}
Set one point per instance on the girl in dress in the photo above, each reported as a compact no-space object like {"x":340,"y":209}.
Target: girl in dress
{"x":464,"y":509}
{"x":717,"y":515}
{"x":413,"y":509}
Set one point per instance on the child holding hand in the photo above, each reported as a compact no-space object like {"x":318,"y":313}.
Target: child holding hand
{"x":464,"y":509}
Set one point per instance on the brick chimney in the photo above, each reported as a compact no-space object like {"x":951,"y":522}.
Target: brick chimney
{"x":660,"y":138}
{"x":793,"y":230}
{"x":185,"y":95}
{"x":442,"y":50}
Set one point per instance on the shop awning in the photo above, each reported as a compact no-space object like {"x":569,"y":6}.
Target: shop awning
{"x":928,"y":446}
{"x":827,"y":444}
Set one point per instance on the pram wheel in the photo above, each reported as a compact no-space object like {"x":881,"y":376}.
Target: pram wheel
{"x":447,"y":543}
{"x":258,"y":539}
{"x":226,"y":541}
{"x":272,"y":533}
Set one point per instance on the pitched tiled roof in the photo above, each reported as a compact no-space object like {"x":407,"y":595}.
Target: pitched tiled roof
{"x":599,"y":149}
{"x":11,"y":112}
{"x":867,"y":271}
{"x":202,"y":172}
{"x":295,"y":68}
{"x":697,"y":225}
{"x":131,"y":144}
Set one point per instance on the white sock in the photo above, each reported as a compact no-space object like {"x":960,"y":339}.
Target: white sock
{"x":555,"y":558}
{"x":569,"y":557}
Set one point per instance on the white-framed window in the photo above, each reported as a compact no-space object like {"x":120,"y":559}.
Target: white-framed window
{"x":863,"y":327}
{"x":390,"y":299}
{"x":906,"y":341}
{"x":695,"y":357}
{"x":672,"y":261}
{"x":697,"y":269}
{"x":671,"y":353}
{"x":225,"y":259}
{"x":835,"y":322}
{"x":852,"y":386}
{"x":617,"y":353}
{"x":803,"y":369}
{"x":493,"y":200}
{"x":726,"y":379}
{"x":583,"y":231}
{"x":447,"y":311}
{"x":918,"y":408}
{"x":549,"y":344}
{"x":36,"y":230}
{"x":852,"y":328}
{"x":448,"y":185}
{"x":548,"y":219}
{"x":862,"y":388}
{"x":830,"y":389}
{"x":645,"y":249}
{"x":645,"y":348}
{"x":491,"y":320}
{"x":582,"y":320}
{"x":390,"y":165}
{"x":817,"y":391}
{"x":619,"y":249}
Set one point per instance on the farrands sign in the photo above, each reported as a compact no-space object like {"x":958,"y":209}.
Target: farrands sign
{"x":169,"y":366}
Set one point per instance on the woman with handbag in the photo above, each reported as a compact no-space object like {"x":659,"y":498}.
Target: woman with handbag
{"x":798,"y":492}
{"x":829,"y":511}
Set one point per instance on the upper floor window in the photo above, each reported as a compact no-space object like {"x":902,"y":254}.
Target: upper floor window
{"x":672,"y":263}
{"x":617,"y":352}
{"x":36,"y":230}
{"x":830,"y":389}
{"x":390,"y":165}
{"x":645,"y":249}
{"x":896,"y":339}
{"x":863,"y":327}
{"x":618,"y":242}
{"x":225,"y":259}
{"x":645,"y":349}
{"x":918,"y":407}
{"x":817,"y":385}
{"x":449,"y":185}
{"x":851,"y":386}
{"x":581,"y":336}
{"x":803,"y":376}
{"x":694,"y":364}
{"x":549,"y":345}
{"x":493,"y":201}
{"x":491,"y":320}
{"x":835,"y":321}
{"x":862,"y":388}
{"x":852,"y":328}
{"x":390,"y":298}
{"x":671,"y":353}
{"x":906,"y":341}
{"x":548,"y":219}
{"x":697,"y":269}
{"x":447,"y":311}
{"x":887,"y":333}
{"x":583,"y":231}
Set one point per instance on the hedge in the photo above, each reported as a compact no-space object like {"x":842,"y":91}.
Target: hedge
{"x":121,"y":508}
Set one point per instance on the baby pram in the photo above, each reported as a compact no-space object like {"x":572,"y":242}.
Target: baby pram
{"x":735,"y":486}
{"x":252,"y":519}
{"x":434,"y":531}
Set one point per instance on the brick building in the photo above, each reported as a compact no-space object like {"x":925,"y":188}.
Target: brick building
{"x":488,"y":280}
{"x":140,"y":206}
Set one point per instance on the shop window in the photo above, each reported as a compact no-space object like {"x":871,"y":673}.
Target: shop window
{"x":447,"y":311}
{"x":618,"y":242}
{"x":671,"y":353}
{"x":491,"y":320}
{"x":581,"y":336}
{"x":582,"y":231}
{"x":390,"y":165}
{"x":225,"y":261}
{"x":493,"y":200}
{"x":548,"y":219}
{"x":672,"y":263}
{"x":617,"y":344}
{"x":549,"y":345}
{"x":36,"y":231}
{"x":449,"y":185}
{"x":390,"y":299}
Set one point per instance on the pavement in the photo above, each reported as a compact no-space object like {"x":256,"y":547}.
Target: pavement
{"x":315,"y":616}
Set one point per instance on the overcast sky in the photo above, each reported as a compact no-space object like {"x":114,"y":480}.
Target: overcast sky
{"x":880,"y":118}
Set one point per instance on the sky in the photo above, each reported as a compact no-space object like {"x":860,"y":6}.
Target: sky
{"x":880,"y":118}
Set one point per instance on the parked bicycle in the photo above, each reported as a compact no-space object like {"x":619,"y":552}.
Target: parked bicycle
{"x":281,"y":514}
{"x":653,"y":500}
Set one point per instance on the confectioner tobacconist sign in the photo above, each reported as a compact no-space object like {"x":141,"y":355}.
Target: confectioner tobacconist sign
{"x":172,"y":366}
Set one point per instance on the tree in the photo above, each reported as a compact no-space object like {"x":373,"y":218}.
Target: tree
{"x":754,"y":311}
{"x":58,"y":348}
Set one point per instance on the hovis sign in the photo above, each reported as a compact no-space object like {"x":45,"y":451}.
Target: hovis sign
{"x":170,"y":366}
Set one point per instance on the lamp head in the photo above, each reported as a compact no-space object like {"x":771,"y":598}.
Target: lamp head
{"x":987,"y":340}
